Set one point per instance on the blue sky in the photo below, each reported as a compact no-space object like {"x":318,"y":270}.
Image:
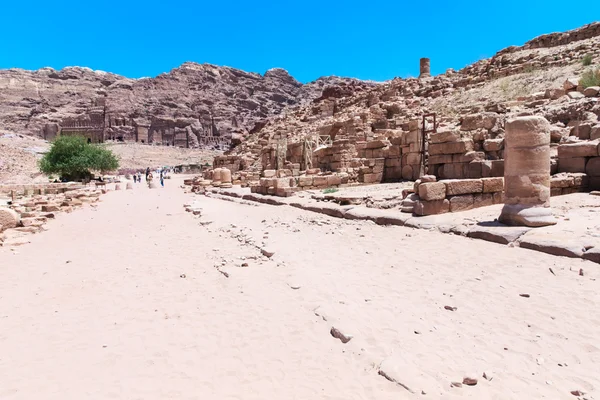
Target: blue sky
{"x":371,"y":39}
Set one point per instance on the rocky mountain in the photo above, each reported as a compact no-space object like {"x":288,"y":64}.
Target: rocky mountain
{"x":193,"y":98}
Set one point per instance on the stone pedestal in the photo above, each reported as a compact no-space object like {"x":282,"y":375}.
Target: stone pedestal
{"x":129,"y":186}
{"x":225,"y":178}
{"x":117,"y":186}
{"x":424,"y":71}
{"x":216,"y":177}
{"x":527,"y":173}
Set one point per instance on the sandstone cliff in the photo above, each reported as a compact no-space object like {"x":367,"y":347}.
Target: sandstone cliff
{"x":193,"y":98}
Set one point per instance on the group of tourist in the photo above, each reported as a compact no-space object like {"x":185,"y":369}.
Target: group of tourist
{"x":161,"y":172}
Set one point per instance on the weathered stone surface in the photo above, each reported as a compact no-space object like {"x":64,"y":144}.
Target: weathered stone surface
{"x":462,"y":146}
{"x":571,"y":84}
{"x":497,"y":232}
{"x":493,"y":144}
{"x":8,"y":218}
{"x":444,"y":136}
{"x":461,"y":203}
{"x":592,"y":254}
{"x":546,"y":243}
{"x":492,"y":185}
{"x":591,"y":91}
{"x":193,"y":100}
{"x":463,"y":186}
{"x":592,"y":167}
{"x":580,"y":149}
{"x":575,"y":164}
{"x":432,"y":191}
{"x":432,"y":207}
{"x":527,"y":173}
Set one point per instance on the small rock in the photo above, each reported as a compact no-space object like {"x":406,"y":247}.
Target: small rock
{"x":450,"y":308}
{"x":182,"y":276}
{"x":580,"y":271}
{"x":267,"y":252}
{"x":524,"y":295}
{"x":456,"y":384}
{"x":487,"y":376}
{"x":577,"y":393}
{"x":244,"y":265}
{"x":470,"y":380}
{"x":339,"y":335}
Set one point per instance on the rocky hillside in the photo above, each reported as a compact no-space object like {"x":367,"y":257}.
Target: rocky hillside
{"x":226,"y":100}
{"x":529,"y":79}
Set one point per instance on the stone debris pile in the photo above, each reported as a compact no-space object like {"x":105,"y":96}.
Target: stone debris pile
{"x":27,"y":215}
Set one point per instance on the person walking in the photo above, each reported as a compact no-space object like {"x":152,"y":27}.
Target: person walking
{"x":162,"y":179}
{"x":134,"y":178}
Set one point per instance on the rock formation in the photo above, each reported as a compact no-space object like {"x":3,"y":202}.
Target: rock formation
{"x":193,"y":105}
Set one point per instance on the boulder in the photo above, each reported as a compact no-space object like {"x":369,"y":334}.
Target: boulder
{"x":571,"y":84}
{"x":591,"y":91}
{"x":8,"y":218}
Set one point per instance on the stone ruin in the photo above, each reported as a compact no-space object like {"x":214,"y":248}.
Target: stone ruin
{"x":98,"y":124}
{"x":31,"y":206}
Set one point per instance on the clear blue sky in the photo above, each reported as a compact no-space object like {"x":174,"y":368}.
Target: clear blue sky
{"x":370,"y":39}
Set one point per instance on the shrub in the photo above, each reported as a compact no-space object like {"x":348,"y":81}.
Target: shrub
{"x":591,"y":77}
{"x":72,"y":157}
{"x":587,"y":60}
{"x":330,"y":190}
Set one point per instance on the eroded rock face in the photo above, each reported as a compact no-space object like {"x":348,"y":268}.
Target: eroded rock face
{"x":189,"y":102}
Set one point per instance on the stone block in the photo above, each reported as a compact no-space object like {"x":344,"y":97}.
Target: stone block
{"x":580,"y":149}
{"x":468,"y":157}
{"x":440,"y":159}
{"x":474,"y":170}
{"x":444,"y":136}
{"x":304,"y":181}
{"x":461,"y":203}
{"x":592,"y":168}
{"x":431,"y":207}
{"x":377,"y":144}
{"x":493,"y":144}
{"x":492,"y":185}
{"x":411,"y":158}
{"x":320,"y":181}
{"x":483,"y":200}
{"x":471,"y":122}
{"x":334,"y":180}
{"x":498,"y":197}
{"x":454,"y":171}
{"x":575,"y":164}
{"x":462,"y":146}
{"x":432,"y":191}
{"x":463,"y":186}
{"x":595,"y":133}
{"x":407,"y":172}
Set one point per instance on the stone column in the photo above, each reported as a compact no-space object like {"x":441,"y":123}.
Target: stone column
{"x":527,"y":173}
{"x":424,"y":70}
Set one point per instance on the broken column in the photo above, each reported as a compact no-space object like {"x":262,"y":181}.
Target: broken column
{"x":424,"y":71}
{"x":527,"y":173}
{"x":225,"y":178}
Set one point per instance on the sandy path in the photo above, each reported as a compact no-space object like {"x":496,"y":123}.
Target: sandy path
{"x":95,"y":308}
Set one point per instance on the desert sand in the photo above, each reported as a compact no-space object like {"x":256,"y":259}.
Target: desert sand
{"x":137,"y":299}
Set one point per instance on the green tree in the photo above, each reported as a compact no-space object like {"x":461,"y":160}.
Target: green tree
{"x":73,"y":157}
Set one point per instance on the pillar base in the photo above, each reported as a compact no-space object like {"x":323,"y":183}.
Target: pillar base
{"x":522,"y":215}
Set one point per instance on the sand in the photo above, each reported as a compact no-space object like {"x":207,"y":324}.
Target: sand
{"x":124,"y":302}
